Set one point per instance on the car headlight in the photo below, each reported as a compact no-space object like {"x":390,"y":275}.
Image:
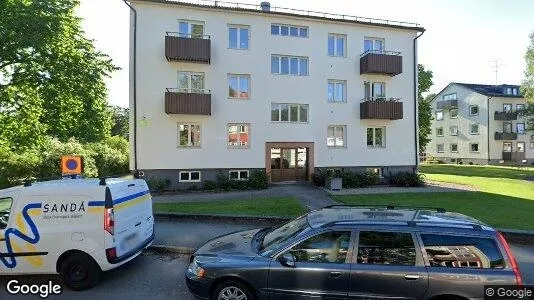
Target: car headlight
{"x":196,"y":269}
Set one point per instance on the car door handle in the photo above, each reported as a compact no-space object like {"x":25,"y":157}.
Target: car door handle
{"x":411,"y":277}
{"x":335,"y":274}
{"x":137,"y":224}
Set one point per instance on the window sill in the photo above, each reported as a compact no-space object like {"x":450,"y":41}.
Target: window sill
{"x":288,"y":122}
{"x":238,"y":48}
{"x":376,"y":147}
{"x":452,"y":118}
{"x":238,"y":147}
{"x":439,"y":135}
{"x":232,"y":98}
{"x":473,"y":115}
{"x":337,"y":102}
{"x":295,"y":75}
{"x":338,"y":56}
{"x":336,"y":147}
{"x":189,"y":147}
{"x":189,"y":181}
{"x":474,"y":133}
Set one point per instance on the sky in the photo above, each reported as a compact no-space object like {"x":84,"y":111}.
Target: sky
{"x":463,"y":38}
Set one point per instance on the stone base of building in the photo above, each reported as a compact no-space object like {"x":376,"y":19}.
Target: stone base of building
{"x":476,"y":161}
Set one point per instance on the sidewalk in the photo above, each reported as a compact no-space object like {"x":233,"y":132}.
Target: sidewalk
{"x":431,"y":187}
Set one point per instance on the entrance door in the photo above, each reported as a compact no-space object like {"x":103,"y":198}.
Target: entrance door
{"x":289,"y":164}
{"x":507,"y":151}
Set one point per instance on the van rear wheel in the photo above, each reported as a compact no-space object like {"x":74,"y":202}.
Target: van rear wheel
{"x":79,"y":272}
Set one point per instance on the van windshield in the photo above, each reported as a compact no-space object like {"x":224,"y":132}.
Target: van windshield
{"x":282,"y":234}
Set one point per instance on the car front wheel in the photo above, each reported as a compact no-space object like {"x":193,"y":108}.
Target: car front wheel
{"x":232,"y":290}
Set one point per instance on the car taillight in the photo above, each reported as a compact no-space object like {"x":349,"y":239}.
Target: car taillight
{"x":513,"y":261}
{"x":109,"y":221}
{"x":111,"y":253}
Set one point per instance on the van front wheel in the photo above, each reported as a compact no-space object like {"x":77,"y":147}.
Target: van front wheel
{"x":79,"y":272}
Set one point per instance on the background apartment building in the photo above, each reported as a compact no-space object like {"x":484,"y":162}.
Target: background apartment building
{"x":227,"y":88}
{"x":480,"y":124}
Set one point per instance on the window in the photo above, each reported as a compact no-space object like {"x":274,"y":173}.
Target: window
{"x":238,"y":135}
{"x":336,"y":136}
{"x":284,"y":112}
{"x":519,"y":107}
{"x":289,"y":65}
{"x":374,"y":90}
{"x":375,"y":171}
{"x":188,"y":135}
{"x":454,"y":130}
{"x":440,"y":148}
{"x":189,"y":176}
{"x":507,"y":127}
{"x":238,"y":175}
{"x":373,"y":44}
{"x":453,"y":113}
{"x":376,"y":137}
{"x":386,"y":248}
{"x":238,"y":37}
{"x":474,"y":147}
{"x":507,"y":107}
{"x":452,"y":96}
{"x":5,"y":208}
{"x":473,"y":110}
{"x":327,"y":247}
{"x":439,"y":131}
{"x":462,"y":251}
{"x":520,"y":146}
{"x":336,"y":44}
{"x":520,"y":128}
{"x":337,"y":90}
{"x":190,"y":29}
{"x":439,"y":115}
{"x":507,"y":147}
{"x":515,"y":91}
{"x":531,"y":145}
{"x":190,"y":82}
{"x":454,"y":147}
{"x":509,"y":91}
{"x":473,"y":129}
{"x":289,"y":30}
{"x":238,"y":86}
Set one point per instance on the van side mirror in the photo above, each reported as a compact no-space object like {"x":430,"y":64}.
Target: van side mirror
{"x":287,"y":259}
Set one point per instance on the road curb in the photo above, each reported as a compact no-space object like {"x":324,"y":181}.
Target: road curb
{"x":165,"y":249}
{"x":177,"y":216}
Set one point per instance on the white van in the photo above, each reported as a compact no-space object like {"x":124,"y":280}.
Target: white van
{"x":74,"y":227}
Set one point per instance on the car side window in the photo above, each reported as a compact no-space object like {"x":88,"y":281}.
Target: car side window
{"x":5,"y":209}
{"x":327,"y":247}
{"x":386,"y":248}
{"x":462,"y":251}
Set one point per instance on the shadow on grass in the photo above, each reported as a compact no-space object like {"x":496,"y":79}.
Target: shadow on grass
{"x":521,"y":173}
{"x":496,"y":210}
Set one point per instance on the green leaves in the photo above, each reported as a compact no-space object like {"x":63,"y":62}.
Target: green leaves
{"x":527,"y":86}
{"x":425,"y":110}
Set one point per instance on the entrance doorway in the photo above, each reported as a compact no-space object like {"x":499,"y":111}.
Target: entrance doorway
{"x":289,"y":161}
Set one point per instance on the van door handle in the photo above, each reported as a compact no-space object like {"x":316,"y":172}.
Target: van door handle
{"x":335,"y":274}
{"x":411,"y":277}
{"x":137,"y":224}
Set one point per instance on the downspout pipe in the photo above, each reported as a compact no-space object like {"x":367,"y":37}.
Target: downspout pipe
{"x":134,"y":108}
{"x":488,"y":128}
{"x":416,"y":102}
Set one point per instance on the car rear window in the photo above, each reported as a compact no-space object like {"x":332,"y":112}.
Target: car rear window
{"x":462,"y":251}
{"x":386,"y":248}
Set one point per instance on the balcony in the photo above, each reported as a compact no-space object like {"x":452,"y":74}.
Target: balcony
{"x":381,"y":108}
{"x":187,"y":102}
{"x":444,"y":104}
{"x":513,"y":156}
{"x":505,"y":116}
{"x":381,"y":62}
{"x":505,"y":136}
{"x":188,"y":49}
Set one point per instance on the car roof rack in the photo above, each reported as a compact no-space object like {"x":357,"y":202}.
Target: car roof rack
{"x":387,"y":206}
{"x":476,"y":227}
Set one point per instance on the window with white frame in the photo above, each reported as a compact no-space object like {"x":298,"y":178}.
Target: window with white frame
{"x":289,"y":30}
{"x":337,"y":44}
{"x":289,"y":112}
{"x":238,"y":86}
{"x":375,"y":171}
{"x":238,"y":37}
{"x":238,"y":174}
{"x":473,"y":129}
{"x":474,"y":147}
{"x":376,"y":137}
{"x":440,"y":148}
{"x":337,"y":90}
{"x":336,"y":136}
{"x":191,"y":82}
{"x":373,"y":44}
{"x":452,"y":96}
{"x":289,"y":65}
{"x":189,"y":176}
{"x":238,"y":135}
{"x":190,"y":29}
{"x":507,"y":107}
{"x":454,"y":130}
{"x":473,"y":110}
{"x":454,"y":148}
{"x":439,"y":115}
{"x":439,"y":131}
{"x":374,"y":90}
{"x":520,"y":128}
{"x":515,"y":91}
{"x":520,"y":146}
{"x":188,"y":135}
{"x":453,"y":113}
{"x":520,"y":107}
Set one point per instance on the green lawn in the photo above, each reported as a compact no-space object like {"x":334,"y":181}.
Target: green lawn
{"x":479,"y":171}
{"x":280,"y":207}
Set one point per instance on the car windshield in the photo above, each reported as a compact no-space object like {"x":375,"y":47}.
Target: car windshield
{"x":282,"y":234}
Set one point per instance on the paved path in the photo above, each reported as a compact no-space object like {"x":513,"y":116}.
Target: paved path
{"x":431,"y":187}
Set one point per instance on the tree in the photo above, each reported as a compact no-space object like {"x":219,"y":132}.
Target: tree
{"x":527,"y":86}
{"x":425,"y":110}
{"x":55,"y":72}
{"x":121,"y":121}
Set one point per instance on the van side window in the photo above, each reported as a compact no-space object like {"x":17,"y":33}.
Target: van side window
{"x":5,"y":208}
{"x":462,"y":251}
{"x":386,"y":248}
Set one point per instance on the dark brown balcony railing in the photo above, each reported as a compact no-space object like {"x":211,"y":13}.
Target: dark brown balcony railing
{"x":505,"y":115}
{"x":188,"y":102}
{"x":187,"y":47}
{"x":513,"y":155}
{"x":447,"y":104}
{"x":381,"y":62}
{"x":505,"y":136}
{"x":381,"y":108}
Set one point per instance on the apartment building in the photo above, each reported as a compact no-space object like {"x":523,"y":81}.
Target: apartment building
{"x":232,"y":88}
{"x":480,"y":124}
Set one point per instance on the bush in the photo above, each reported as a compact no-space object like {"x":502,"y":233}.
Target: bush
{"x":258,"y":180}
{"x":210,"y":185}
{"x":111,"y":156}
{"x":158,"y":184}
{"x":15,"y":168}
{"x":407,"y":179}
{"x":51,"y":154}
{"x":319,"y":178}
{"x":359,"y":180}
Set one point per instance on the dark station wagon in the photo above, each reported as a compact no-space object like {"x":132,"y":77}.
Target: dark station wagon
{"x":342,"y":252}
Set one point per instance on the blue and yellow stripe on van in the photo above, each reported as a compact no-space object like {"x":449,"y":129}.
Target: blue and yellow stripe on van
{"x":131,"y":200}
{"x":96,"y":206}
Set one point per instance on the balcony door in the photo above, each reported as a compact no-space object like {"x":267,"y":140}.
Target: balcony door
{"x":507,"y":151}
{"x":507,"y":127}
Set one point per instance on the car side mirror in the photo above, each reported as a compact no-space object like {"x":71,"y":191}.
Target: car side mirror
{"x":287,"y":259}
